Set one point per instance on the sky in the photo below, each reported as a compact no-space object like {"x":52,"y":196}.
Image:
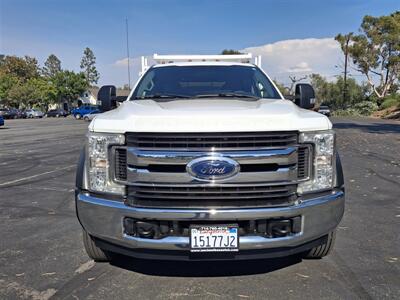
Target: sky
{"x":293,"y":37}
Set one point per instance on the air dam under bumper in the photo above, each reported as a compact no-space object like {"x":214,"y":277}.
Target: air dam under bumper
{"x":103,"y":219}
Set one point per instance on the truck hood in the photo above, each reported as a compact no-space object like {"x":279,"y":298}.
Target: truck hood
{"x":208,"y":115}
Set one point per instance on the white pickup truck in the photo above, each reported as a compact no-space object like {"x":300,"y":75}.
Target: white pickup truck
{"x":207,"y":160}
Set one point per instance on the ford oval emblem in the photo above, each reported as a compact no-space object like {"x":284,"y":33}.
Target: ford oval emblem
{"x":210,"y":168}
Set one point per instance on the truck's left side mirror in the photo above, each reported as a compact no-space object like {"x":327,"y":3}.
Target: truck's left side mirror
{"x":106,"y":96}
{"x":304,"y":95}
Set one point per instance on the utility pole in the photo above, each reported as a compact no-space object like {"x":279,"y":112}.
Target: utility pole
{"x":346,"y":54}
{"x":127,"y":52}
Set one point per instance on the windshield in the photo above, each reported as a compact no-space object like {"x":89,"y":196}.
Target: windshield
{"x":172,"y":82}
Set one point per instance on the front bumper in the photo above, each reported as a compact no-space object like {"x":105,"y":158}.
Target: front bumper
{"x":103,"y":219}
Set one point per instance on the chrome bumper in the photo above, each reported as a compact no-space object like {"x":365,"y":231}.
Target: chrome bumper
{"x":103,"y":219}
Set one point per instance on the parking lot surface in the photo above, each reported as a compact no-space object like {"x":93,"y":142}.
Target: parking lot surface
{"x":42,"y":256}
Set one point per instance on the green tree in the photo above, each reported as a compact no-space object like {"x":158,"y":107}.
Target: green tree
{"x":69,"y":85}
{"x":7,"y":81}
{"x":88,"y":66}
{"x":376,"y":51}
{"x":52,"y":66}
{"x":34,"y":92}
{"x":321,"y":87}
{"x":230,"y":52}
{"x":22,"y":68}
{"x":282,"y":88}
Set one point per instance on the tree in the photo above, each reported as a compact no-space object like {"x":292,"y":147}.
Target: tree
{"x":22,"y":68}
{"x":295,"y":80}
{"x":321,"y":87}
{"x":7,"y":81}
{"x":282,"y":88}
{"x":34,"y":92}
{"x":230,"y":52}
{"x":69,"y":85}
{"x":376,"y":51}
{"x":52,"y":66}
{"x":88,"y":66}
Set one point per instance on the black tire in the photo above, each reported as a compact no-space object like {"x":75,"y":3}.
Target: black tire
{"x":78,"y":116}
{"x":323,"y":249}
{"x":94,"y":252}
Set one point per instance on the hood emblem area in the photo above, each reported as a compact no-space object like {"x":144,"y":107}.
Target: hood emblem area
{"x":211,"y":168}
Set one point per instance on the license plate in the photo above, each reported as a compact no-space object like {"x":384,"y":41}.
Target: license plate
{"x":214,"y":238}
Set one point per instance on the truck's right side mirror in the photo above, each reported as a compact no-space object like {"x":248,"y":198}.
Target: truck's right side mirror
{"x":304,"y":95}
{"x":106,"y":96}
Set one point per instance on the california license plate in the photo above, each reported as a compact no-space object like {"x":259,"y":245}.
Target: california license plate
{"x":214,"y":238}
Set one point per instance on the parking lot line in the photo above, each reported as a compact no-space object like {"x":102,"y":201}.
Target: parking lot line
{"x":36,"y":175}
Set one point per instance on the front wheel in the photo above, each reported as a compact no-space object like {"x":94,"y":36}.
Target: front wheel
{"x":323,"y":249}
{"x":92,"y":250}
{"x":78,"y":116}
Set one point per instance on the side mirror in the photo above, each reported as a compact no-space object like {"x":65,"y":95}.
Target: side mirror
{"x":106,"y":97}
{"x":304,"y":96}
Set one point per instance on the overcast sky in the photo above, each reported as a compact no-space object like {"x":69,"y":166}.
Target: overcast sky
{"x":294,"y":37}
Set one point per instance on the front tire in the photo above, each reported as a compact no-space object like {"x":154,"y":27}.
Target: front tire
{"x":323,"y":249}
{"x":93,"y":251}
{"x":78,"y":116}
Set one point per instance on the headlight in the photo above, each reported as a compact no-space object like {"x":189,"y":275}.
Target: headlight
{"x":323,"y":169}
{"x":98,"y":162}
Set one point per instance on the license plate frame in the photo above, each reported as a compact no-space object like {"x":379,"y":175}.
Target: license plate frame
{"x":214,"y":230}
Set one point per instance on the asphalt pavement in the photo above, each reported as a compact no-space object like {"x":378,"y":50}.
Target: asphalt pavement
{"x":42,"y":255}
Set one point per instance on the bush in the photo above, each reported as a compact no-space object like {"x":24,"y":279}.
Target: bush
{"x":345,"y":112}
{"x":366,"y":108}
{"x":392,"y":100}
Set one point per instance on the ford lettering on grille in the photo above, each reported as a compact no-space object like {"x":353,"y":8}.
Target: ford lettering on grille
{"x":212,"y":168}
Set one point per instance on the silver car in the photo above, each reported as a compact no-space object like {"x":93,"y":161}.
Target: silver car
{"x":34,"y":113}
{"x":90,"y":116}
{"x":324,"y":110}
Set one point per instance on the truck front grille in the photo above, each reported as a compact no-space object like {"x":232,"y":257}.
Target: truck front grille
{"x":211,"y":196}
{"x":153,"y":167}
{"x":215,"y":141}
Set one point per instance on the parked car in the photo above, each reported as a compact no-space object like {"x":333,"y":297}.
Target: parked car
{"x":1,"y":120}
{"x":56,"y":113}
{"x":34,"y":113}
{"x":324,"y":110}
{"x":90,"y":116}
{"x":21,"y":114}
{"x":8,"y":113}
{"x":207,"y":160}
{"x":79,"y":112}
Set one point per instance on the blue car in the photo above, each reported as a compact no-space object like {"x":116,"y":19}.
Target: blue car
{"x":79,"y":112}
{"x":1,"y":120}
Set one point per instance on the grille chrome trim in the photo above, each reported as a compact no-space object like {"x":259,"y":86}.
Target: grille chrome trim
{"x":284,"y":156}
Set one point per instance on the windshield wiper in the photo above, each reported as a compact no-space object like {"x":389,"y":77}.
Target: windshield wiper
{"x":161,"y":96}
{"x":227,"y":95}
